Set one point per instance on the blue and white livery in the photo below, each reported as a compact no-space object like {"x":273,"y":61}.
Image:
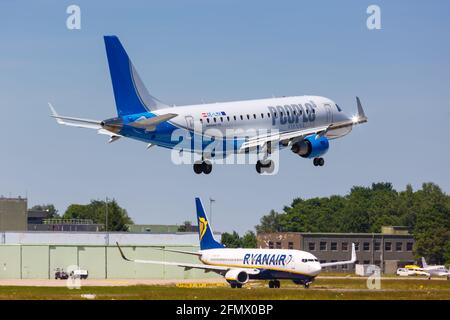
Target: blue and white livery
{"x":304,"y":124}
{"x":238,"y":266}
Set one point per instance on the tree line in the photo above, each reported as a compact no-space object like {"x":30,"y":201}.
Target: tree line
{"x":426,"y":212}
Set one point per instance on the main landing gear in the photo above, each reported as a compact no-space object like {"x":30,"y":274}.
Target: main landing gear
{"x":265,"y":167}
{"x":318,"y":162}
{"x":202,"y":167}
{"x":274,"y":284}
{"x":234,"y":285}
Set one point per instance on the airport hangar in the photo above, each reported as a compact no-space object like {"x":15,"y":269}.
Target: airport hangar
{"x":36,"y":250}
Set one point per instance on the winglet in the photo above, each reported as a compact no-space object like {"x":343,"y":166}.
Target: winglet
{"x":121,"y":253}
{"x":55,"y":114}
{"x":361,"y":115}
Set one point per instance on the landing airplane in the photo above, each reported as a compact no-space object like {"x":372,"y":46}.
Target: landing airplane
{"x":305,"y":124}
{"x":238,"y":266}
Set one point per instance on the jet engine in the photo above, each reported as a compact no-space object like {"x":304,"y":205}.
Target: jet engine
{"x":240,"y":276}
{"x":311,"y":146}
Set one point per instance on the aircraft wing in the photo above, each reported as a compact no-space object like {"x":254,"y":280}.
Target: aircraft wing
{"x":261,"y":140}
{"x":179,"y":251}
{"x":351,"y":261}
{"x":186,"y":266}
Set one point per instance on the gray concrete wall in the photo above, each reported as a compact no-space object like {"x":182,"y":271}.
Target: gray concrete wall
{"x":40,"y":261}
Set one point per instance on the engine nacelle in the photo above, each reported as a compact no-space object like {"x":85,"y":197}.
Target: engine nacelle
{"x":240,"y":276}
{"x":310,"y":147}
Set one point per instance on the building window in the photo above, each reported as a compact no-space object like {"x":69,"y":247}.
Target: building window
{"x":357,"y":246}
{"x":334,"y":267}
{"x":323,"y":261}
{"x":409,"y":246}
{"x":312,"y":246}
{"x":323,"y":246}
{"x":398,"y":246}
{"x":378,"y":263}
{"x":366,"y":246}
{"x":278,"y":245}
{"x":270,"y":245}
{"x":290,"y":245}
{"x":344,"y":246}
{"x":334,"y":246}
{"x":377,"y":246}
{"x":388,"y":246}
{"x":344,"y":266}
{"x":366,"y":262}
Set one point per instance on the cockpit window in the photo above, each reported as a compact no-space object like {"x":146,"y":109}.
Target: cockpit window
{"x":339,"y":109}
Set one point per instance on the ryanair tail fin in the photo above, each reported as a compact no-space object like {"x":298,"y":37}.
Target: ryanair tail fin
{"x":129,"y":91}
{"x":205,"y":234}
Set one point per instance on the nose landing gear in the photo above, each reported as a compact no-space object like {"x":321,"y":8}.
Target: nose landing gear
{"x":274,"y":284}
{"x":265,"y":167}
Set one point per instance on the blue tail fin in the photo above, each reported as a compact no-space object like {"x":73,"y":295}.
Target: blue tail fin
{"x":129,"y":91}
{"x":205,"y":234}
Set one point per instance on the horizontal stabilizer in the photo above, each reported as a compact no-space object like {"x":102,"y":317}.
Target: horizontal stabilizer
{"x":150,"y":124}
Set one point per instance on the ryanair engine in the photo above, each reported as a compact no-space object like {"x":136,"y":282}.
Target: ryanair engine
{"x":238,"y":275}
{"x":311,"y":147}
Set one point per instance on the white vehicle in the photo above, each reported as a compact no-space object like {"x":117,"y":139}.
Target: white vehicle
{"x":304,"y":124}
{"x":404,"y":272}
{"x":79,"y":274}
{"x":238,"y":266}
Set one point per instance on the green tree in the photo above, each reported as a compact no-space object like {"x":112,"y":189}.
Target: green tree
{"x":231,"y":240}
{"x":96,"y":211}
{"x":52,"y":212}
{"x":248,"y":240}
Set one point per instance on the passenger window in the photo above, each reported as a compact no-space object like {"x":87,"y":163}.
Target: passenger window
{"x":214,"y":119}
{"x":207,"y":120}
{"x":254,"y":116}
{"x":221,"y":119}
{"x":262,"y":115}
{"x":234,"y":118}
{"x":268,"y":114}
{"x":248,"y":117}
{"x":242,"y":118}
{"x":228,"y":118}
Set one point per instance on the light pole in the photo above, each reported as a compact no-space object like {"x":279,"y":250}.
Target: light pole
{"x":106,"y":215}
{"x":211,"y":200}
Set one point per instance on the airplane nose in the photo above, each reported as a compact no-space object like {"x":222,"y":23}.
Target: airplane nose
{"x":317,"y":268}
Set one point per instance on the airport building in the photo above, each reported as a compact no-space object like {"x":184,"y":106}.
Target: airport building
{"x":390,"y":249}
{"x":37,"y":255}
{"x":13,"y":214}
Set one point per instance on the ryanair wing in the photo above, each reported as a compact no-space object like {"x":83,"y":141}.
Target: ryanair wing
{"x":291,"y":137}
{"x":186,"y":266}
{"x":179,"y":251}
{"x":351,"y":261}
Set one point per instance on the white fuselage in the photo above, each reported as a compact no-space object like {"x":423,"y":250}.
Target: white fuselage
{"x":278,"y":260}
{"x":282,"y":114}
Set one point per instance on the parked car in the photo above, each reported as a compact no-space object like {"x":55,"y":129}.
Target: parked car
{"x":61,"y":274}
{"x":404,"y":272}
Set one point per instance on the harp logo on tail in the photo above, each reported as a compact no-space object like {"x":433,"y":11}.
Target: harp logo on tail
{"x":202,"y":223}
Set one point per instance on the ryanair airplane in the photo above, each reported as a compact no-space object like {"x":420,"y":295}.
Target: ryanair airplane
{"x":238,"y":266}
{"x":304,"y":124}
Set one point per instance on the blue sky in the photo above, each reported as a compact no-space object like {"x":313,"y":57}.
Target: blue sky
{"x":193,"y":51}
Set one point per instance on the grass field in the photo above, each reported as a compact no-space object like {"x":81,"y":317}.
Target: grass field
{"x":323,"y":288}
